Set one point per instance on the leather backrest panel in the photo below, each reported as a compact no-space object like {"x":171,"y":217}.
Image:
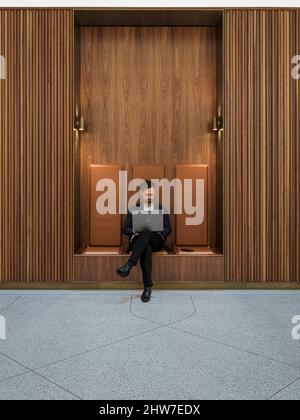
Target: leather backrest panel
{"x":105,"y":230}
{"x":192,"y":235}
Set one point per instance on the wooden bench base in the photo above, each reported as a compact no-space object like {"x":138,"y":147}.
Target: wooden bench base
{"x":171,"y":268}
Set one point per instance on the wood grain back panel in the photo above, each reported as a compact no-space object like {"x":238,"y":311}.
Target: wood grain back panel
{"x":148,"y":96}
{"x":148,"y":171}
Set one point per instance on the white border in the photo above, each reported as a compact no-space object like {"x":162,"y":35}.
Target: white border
{"x":153,"y":3}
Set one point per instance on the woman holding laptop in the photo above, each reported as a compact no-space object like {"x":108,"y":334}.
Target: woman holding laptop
{"x":147,"y":225}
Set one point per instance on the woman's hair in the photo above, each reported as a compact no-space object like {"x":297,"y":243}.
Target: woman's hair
{"x":143,"y":187}
{"x":146,"y":184}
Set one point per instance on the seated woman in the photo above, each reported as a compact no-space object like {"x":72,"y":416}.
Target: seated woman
{"x":143,"y":243}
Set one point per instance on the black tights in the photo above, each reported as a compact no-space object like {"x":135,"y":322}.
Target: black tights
{"x":142,"y":247}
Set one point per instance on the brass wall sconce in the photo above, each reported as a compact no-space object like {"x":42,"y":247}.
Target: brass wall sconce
{"x":79,"y":124}
{"x":78,"y":127}
{"x":218,"y":123}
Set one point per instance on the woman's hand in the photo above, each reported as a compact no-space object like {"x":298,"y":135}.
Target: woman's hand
{"x":136,"y":233}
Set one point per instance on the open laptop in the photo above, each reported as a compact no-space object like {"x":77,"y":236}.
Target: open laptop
{"x":144,"y":220}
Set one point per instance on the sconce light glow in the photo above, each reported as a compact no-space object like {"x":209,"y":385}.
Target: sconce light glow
{"x":218,"y":123}
{"x":296,"y":68}
{"x":2,"y":67}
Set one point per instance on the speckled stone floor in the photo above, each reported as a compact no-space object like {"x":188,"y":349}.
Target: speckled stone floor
{"x":180,"y":345}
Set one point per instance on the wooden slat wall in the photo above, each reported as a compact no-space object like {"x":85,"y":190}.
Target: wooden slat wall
{"x":262,"y":146}
{"x":36,"y":184}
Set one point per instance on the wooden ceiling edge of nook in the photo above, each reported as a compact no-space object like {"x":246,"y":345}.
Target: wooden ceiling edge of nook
{"x":148,"y":16}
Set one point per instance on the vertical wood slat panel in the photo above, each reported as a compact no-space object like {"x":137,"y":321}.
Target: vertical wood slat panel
{"x":261,"y":152}
{"x":36,"y":156}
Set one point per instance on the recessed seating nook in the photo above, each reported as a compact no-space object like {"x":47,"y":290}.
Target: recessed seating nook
{"x":148,"y":99}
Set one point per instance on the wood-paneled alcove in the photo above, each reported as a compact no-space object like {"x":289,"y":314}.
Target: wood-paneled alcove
{"x":148,"y":86}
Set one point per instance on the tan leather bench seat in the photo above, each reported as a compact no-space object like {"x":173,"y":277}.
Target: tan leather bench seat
{"x":196,"y":250}
{"x":102,"y":250}
{"x":112,"y":250}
